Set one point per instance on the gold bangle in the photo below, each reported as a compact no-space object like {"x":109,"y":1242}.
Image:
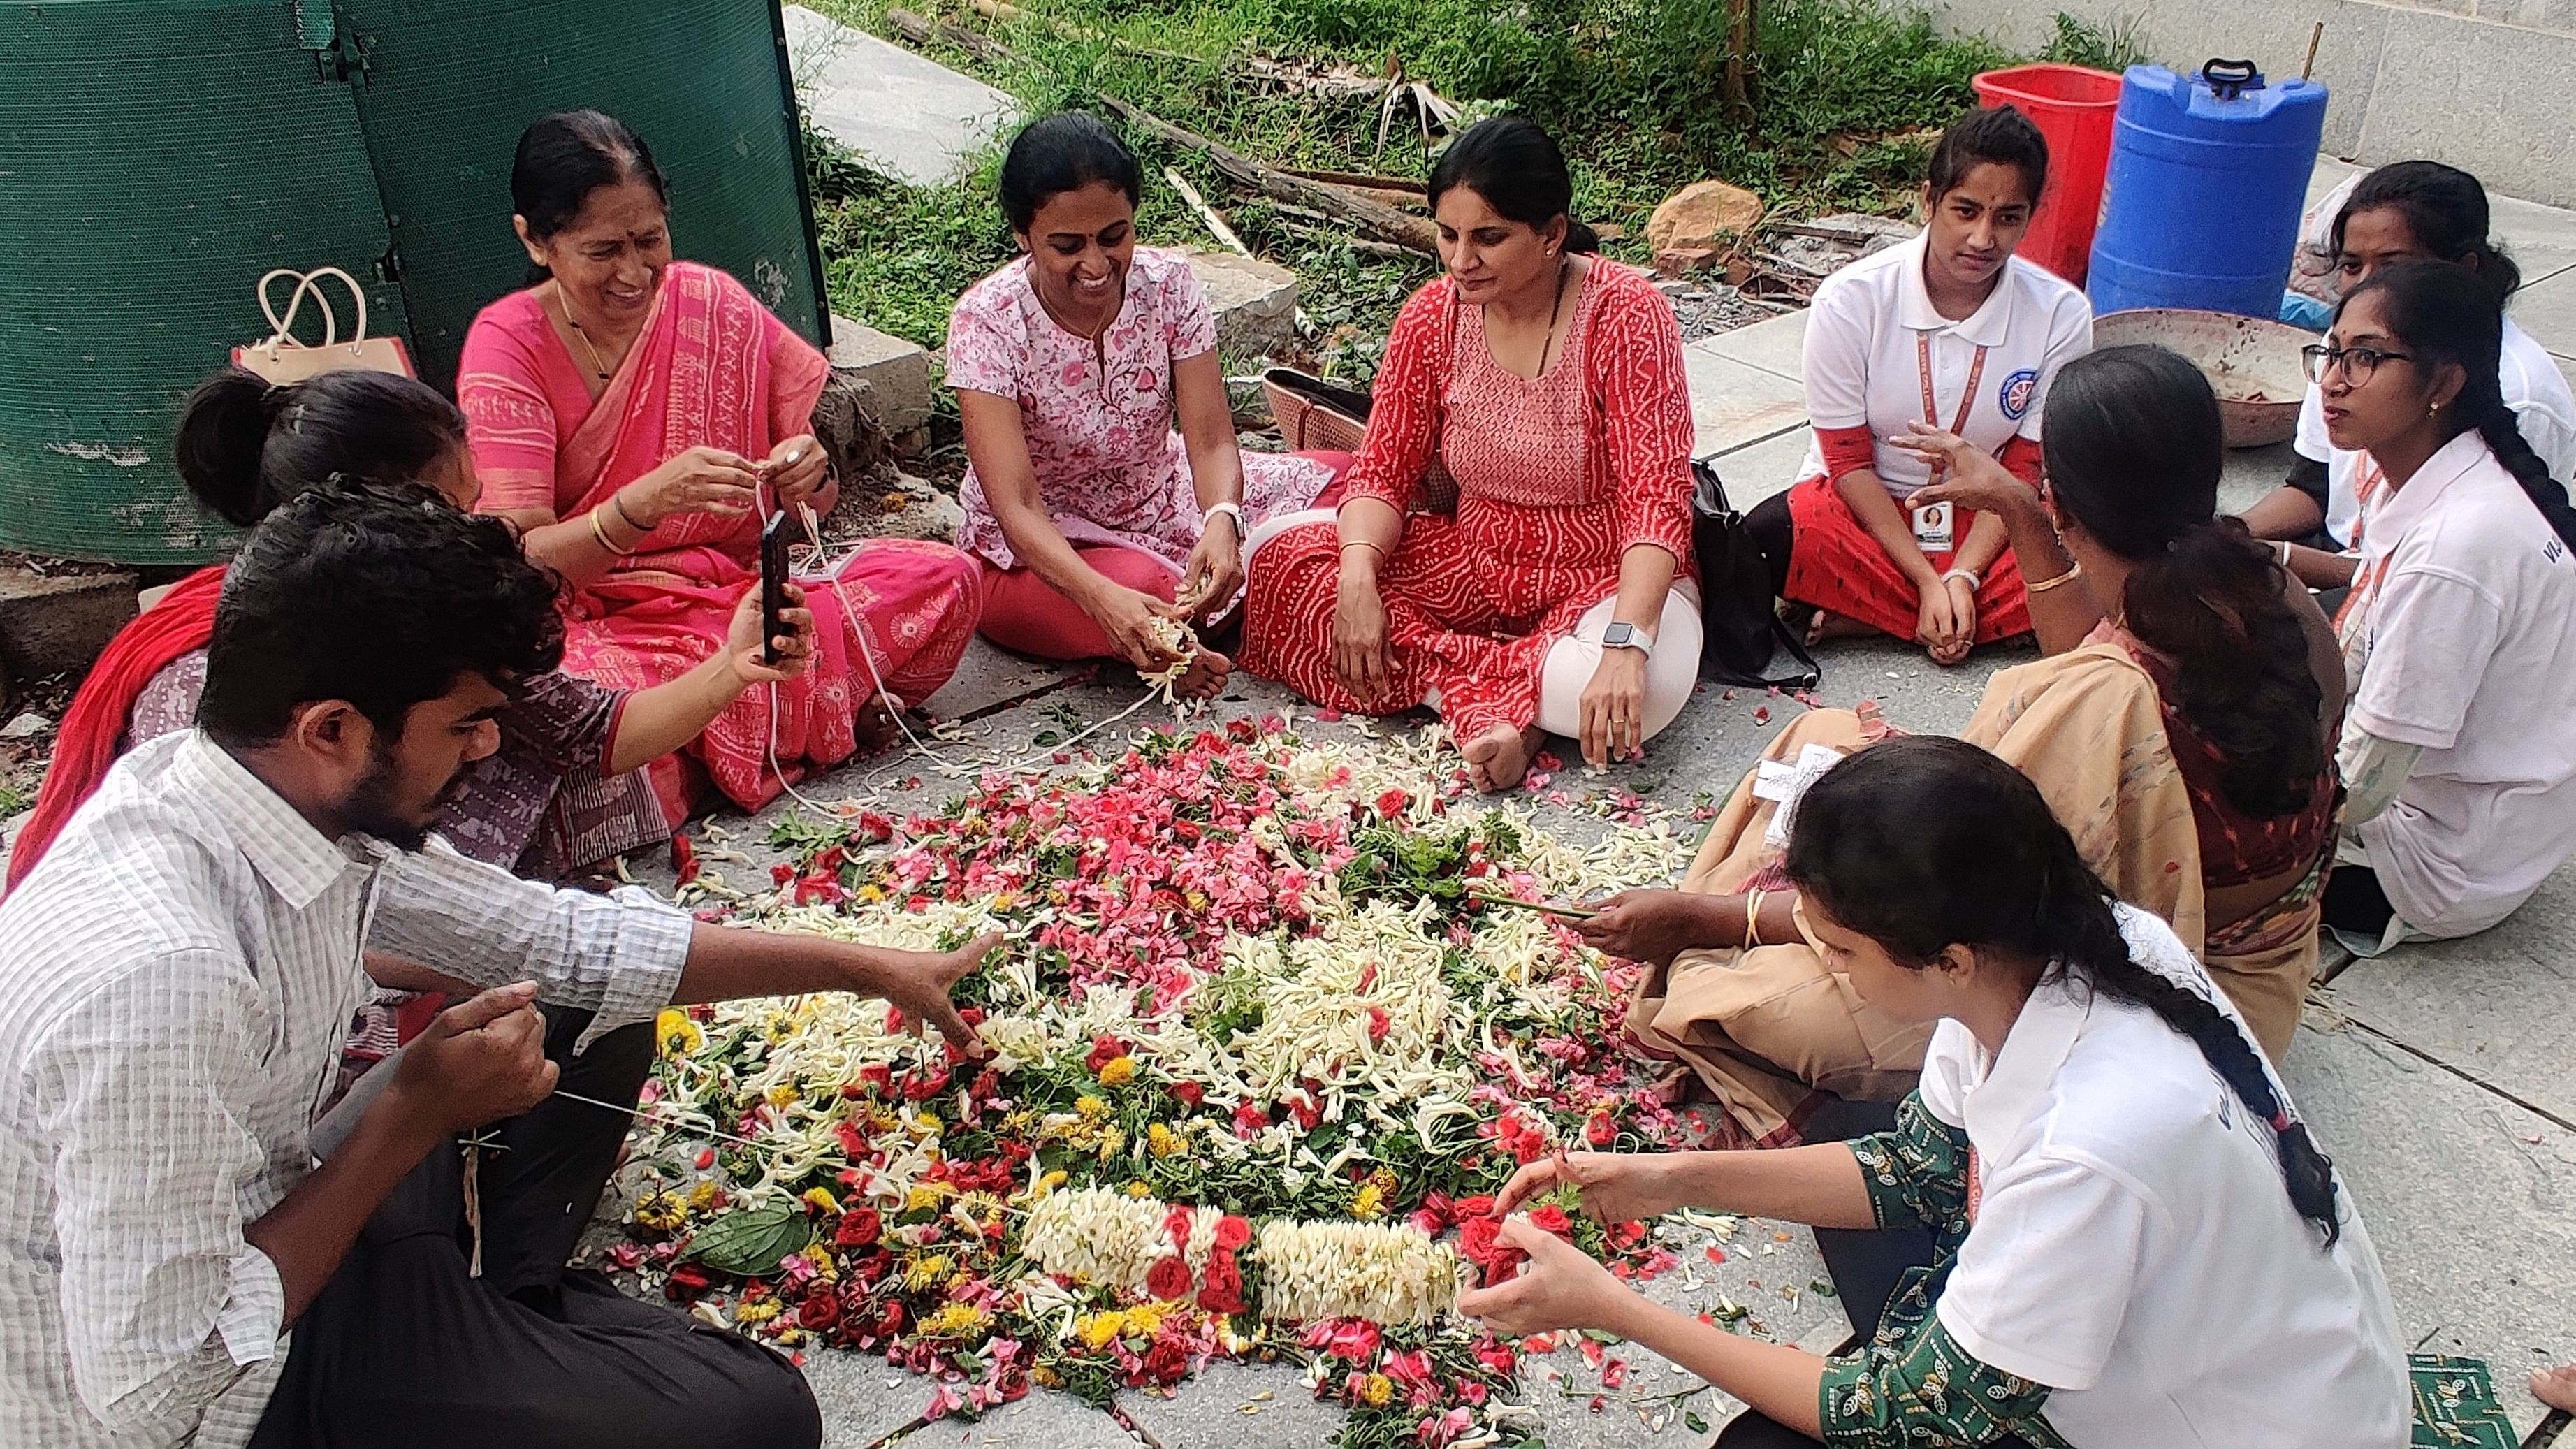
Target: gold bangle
{"x":599,"y":530}
{"x":1752,"y":918}
{"x":2044,"y":585}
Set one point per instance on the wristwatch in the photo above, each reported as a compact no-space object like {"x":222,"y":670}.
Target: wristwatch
{"x":1628,"y":636}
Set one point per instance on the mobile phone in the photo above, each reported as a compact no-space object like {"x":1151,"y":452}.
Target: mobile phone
{"x":773,"y":584}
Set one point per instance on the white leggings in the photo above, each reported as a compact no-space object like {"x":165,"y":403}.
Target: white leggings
{"x":1671,"y":674}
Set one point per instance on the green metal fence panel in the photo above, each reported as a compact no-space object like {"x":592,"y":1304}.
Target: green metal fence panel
{"x":156,"y":156}
{"x":446,"y":86}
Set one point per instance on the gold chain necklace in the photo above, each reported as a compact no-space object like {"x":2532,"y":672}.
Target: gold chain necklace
{"x":598,"y":365}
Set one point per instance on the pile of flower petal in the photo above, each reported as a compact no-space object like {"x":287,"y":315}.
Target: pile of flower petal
{"x":1256,"y":1053}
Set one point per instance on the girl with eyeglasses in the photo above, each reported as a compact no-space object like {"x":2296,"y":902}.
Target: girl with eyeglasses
{"x":2410,"y":211}
{"x":2459,"y":635}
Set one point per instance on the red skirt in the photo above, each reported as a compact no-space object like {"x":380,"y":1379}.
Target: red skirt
{"x":1835,"y":564}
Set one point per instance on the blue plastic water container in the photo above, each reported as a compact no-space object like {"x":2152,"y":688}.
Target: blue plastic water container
{"x":2208,"y":174}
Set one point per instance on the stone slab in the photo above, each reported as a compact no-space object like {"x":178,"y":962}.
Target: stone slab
{"x":1230,"y":1405}
{"x":1255,"y":302}
{"x":896,"y":372}
{"x":2540,"y":239}
{"x":907,"y":115}
{"x":2500,"y":1005}
{"x":2466,"y":1197}
{"x":1755,"y":471}
{"x":1775,"y":346}
{"x":2548,"y":312}
{"x":1734,"y":403}
{"x":2463,"y":91}
{"x":56,"y":623}
{"x":990,"y":677}
{"x":2251,"y":474}
{"x":864,"y":1402}
{"x":1040,"y":1421}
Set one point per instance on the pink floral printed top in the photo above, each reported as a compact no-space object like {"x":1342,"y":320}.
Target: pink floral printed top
{"x":1110,"y":466}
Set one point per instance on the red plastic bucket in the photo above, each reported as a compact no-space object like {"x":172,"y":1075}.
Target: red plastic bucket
{"x":2073,"y":106}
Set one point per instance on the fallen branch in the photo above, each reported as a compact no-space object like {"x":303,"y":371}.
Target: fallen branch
{"x":921,"y":32}
{"x":1362,"y":181}
{"x":1385,"y":221}
{"x":1214,"y":219}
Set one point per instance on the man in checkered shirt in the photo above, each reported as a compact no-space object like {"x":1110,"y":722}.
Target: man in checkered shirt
{"x":176,"y":978}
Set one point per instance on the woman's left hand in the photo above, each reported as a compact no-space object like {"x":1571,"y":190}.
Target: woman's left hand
{"x":799,"y":473}
{"x":1614,"y":708}
{"x":1560,"y":1287}
{"x":795,"y":649}
{"x":1214,"y":571}
{"x":1963,"y":474}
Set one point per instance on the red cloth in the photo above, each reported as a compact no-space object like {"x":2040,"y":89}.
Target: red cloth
{"x":713,"y":368}
{"x":2021,"y":458}
{"x":1835,"y":563}
{"x":1847,"y":450}
{"x":1025,"y":614}
{"x":86,"y":745}
{"x":1558,"y":477}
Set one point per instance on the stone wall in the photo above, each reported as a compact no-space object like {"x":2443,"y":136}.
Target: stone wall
{"x":2481,"y":84}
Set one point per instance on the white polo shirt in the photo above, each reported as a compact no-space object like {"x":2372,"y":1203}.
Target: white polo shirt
{"x":2134,"y":1248}
{"x":1864,"y":365}
{"x":2463,"y":641}
{"x":2533,"y":387}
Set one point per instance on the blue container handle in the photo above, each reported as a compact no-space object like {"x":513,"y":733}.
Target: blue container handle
{"x":2230,"y":78}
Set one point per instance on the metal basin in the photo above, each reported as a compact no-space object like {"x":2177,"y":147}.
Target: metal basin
{"x":2251,"y":362}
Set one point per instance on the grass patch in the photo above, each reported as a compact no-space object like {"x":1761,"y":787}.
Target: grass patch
{"x":1846,"y":94}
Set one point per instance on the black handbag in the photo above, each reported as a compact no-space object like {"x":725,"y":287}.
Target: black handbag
{"x":1740,"y":628}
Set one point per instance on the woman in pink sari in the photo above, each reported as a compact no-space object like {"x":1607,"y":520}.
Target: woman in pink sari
{"x":640,"y":417}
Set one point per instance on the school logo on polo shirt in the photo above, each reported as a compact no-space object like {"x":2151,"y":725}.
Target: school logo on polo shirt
{"x":2014,"y":396}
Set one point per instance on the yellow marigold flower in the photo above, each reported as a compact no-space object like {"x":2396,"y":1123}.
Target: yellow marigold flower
{"x":783,"y":1095}
{"x":1099,"y":1330}
{"x":927,"y":1272}
{"x":703,"y":1197}
{"x":1194,"y":900}
{"x":821,"y":1257}
{"x":1137,"y":1188}
{"x":1384,"y":1177}
{"x":956,"y":1320}
{"x":870,"y":894}
{"x":661,"y":1212}
{"x":1145,"y":1319}
{"x":1117,"y":1071}
{"x":925,"y":1124}
{"x":883,"y":1119}
{"x":821,"y":1199}
{"x":1090,"y":1108}
{"x":1368,"y":1203}
{"x":1161,"y":1140}
{"x":925,"y":1197}
{"x":1377,"y":1391}
{"x":1052,"y":1180}
{"x":760,"y":1312}
{"x":677,"y":1035}
{"x":1046,"y":1378}
{"x":790,"y":1337}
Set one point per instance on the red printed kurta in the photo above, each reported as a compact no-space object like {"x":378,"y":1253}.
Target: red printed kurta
{"x":1557,"y":478}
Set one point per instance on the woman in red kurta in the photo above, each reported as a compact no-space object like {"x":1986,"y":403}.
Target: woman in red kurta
{"x":1549,"y":382}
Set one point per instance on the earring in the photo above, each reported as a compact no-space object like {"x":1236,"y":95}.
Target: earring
{"x":2434,"y":411}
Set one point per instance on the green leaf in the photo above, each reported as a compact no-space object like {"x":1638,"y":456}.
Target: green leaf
{"x":1693,"y":1422}
{"x":750,"y":1242}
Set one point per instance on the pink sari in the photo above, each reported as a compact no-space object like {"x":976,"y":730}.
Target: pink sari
{"x":713,"y":369}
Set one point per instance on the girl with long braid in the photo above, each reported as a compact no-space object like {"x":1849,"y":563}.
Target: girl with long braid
{"x":2459,"y":635}
{"x":2136,"y":1242}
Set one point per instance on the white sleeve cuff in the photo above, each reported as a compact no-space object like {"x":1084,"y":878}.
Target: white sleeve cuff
{"x":254,"y":1311}
{"x":650,"y":941}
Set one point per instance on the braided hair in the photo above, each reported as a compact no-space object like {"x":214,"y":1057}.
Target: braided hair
{"x":2445,"y":314}
{"x":1921,"y":843}
{"x":2134,"y":450}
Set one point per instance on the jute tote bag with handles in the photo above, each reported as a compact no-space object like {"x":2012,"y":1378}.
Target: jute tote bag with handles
{"x":280,"y":359}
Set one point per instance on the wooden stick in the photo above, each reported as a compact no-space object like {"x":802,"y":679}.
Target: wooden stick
{"x":1385,"y":221}
{"x":1214,"y":219}
{"x":921,"y":32}
{"x":1361,"y":180}
{"x":2309,"y":66}
{"x":1569,"y":913}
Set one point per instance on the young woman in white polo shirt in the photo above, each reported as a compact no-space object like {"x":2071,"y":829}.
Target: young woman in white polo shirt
{"x":1951,"y":330}
{"x":2459,"y":634}
{"x":2409,"y":211}
{"x":2137,"y":1246}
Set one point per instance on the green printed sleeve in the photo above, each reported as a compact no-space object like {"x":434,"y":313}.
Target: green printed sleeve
{"x":1917,"y":1174}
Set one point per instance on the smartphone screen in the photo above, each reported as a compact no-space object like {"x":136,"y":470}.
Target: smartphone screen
{"x":773,"y":583}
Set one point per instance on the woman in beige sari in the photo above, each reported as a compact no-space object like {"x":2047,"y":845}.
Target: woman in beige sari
{"x":2178,"y":727}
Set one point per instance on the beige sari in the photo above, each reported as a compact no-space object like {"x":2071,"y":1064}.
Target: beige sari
{"x":1769,"y":1030}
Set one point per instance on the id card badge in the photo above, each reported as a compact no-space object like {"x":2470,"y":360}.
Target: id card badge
{"x":1932,"y":528}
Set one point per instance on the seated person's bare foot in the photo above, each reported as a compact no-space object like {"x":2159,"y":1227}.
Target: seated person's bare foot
{"x":1206,"y":675}
{"x":878,"y":724}
{"x":1498,"y":758}
{"x":1829,"y":625}
{"x":2556,"y":1387}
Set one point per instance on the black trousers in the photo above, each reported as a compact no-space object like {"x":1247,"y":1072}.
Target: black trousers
{"x":2354,"y":901}
{"x":404,"y":1348}
{"x":1864,"y":1265}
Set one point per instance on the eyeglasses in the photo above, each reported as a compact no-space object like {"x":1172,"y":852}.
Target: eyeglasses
{"x":2358,"y":362}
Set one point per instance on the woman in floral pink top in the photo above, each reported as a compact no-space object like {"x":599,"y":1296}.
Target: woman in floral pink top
{"x":1092,"y":515}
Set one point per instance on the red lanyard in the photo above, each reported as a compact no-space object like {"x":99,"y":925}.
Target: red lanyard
{"x":1931,"y":405}
{"x":2368,"y":490}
